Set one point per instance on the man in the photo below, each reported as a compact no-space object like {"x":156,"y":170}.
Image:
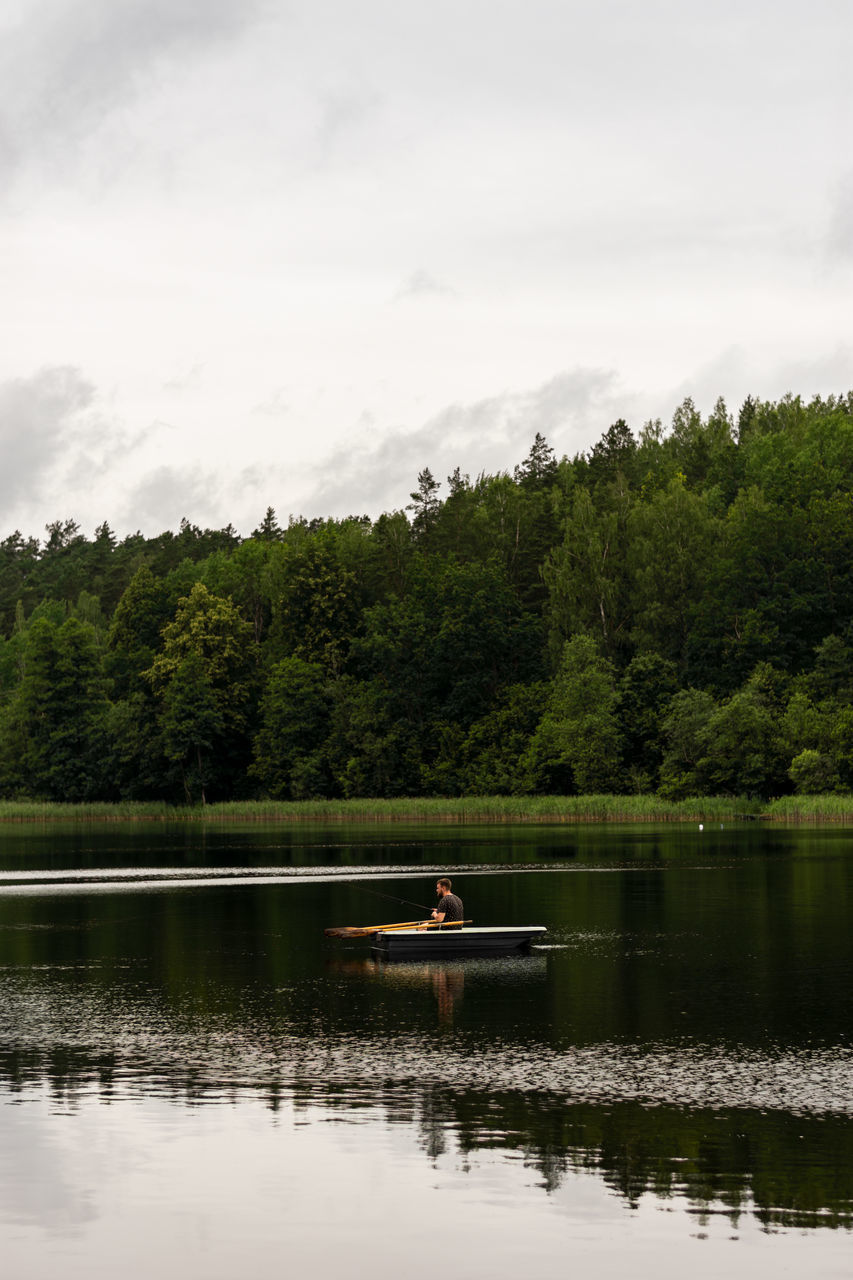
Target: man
{"x":449,"y":909}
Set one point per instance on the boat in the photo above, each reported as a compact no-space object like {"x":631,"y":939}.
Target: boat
{"x":427,"y":944}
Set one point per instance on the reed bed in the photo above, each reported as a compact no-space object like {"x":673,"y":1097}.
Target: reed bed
{"x":472,"y":809}
{"x":123,"y":811}
{"x":469,"y":809}
{"x":831,"y":808}
{"x":458,"y":809}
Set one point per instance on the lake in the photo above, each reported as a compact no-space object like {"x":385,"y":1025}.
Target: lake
{"x":195,"y":1081}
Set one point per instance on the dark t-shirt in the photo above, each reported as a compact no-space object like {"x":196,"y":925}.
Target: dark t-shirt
{"x":451,"y":906}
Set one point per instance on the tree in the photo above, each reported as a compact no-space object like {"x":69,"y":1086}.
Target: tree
{"x":685,"y":729}
{"x":645,"y":691}
{"x":392,"y":538}
{"x":245,"y":575}
{"x":687,"y":444}
{"x":817,"y":723}
{"x":61,"y":534}
{"x":140,"y":614}
{"x":425,"y":504}
{"x":492,"y":755}
{"x":316,"y":601}
{"x":294,"y":723}
{"x":135,"y":633}
{"x":615,"y":452}
{"x":539,"y":467}
{"x":577,"y":745}
{"x":536,"y":523}
{"x":734,"y":747}
{"x":737,"y":622}
{"x":586,"y":575}
{"x":458,"y":483}
{"x":502,"y":505}
{"x":724,"y":468}
{"x":446,"y":648}
{"x":460,"y":528}
{"x":670,"y":540}
{"x":371,"y":752}
{"x":832,"y":674}
{"x":55,"y":736}
{"x":269,"y":529}
{"x":203,"y":682}
{"x":135,"y":760}
{"x":743,"y":749}
{"x":18,"y":563}
{"x":813,"y":774}
{"x":62,"y":570}
{"x":193,"y":723}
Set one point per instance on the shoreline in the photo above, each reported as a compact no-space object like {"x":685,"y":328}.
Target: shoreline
{"x":479,"y":810}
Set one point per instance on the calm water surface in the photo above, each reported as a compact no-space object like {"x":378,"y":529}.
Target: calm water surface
{"x":195,"y":1080}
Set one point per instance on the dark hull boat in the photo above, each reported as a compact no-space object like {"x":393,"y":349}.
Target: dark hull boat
{"x":435,"y":944}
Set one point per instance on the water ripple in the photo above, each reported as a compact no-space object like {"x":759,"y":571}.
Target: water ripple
{"x":117,"y":879}
{"x":146,"y":1044}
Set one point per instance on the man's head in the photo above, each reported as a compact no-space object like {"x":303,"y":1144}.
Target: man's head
{"x":442,"y":886}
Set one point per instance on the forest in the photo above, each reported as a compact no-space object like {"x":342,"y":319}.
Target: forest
{"x":669,"y":613}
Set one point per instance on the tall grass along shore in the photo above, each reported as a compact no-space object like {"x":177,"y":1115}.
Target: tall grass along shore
{"x":470,"y":809}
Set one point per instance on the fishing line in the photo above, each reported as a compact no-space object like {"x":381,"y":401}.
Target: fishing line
{"x":407,"y":901}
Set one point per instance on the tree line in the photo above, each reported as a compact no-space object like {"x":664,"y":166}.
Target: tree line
{"x":670,"y":612}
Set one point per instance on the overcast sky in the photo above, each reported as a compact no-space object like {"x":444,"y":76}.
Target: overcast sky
{"x":287,"y":253}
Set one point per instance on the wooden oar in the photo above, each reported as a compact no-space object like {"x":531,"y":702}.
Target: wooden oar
{"x":422,"y":924}
{"x":343,"y":931}
{"x":367,"y":930}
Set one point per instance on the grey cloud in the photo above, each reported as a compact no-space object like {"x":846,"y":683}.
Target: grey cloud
{"x":62,"y":450}
{"x":421,"y":284}
{"x":734,"y":375}
{"x":168,"y":494}
{"x":571,"y":410}
{"x":38,"y":417}
{"x":839,"y":240}
{"x":569,"y":406}
{"x":252,"y":477}
{"x":183,"y":381}
{"x":72,"y":62}
{"x":254,"y":488}
{"x":830,"y":374}
{"x":730,"y":375}
{"x":342,"y":110}
{"x":95,"y":453}
{"x":275,"y":405}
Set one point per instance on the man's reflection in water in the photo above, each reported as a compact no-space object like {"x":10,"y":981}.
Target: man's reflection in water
{"x":447,"y":981}
{"x":448,"y":985}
